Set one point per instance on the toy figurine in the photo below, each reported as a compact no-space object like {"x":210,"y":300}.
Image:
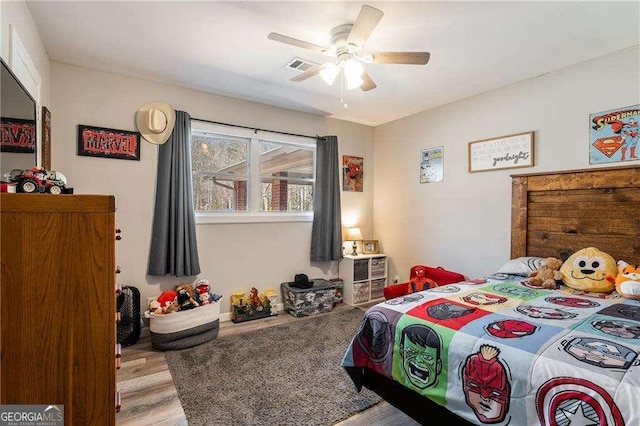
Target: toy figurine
{"x":272,"y":298}
{"x":202,"y":288}
{"x":255,"y":300}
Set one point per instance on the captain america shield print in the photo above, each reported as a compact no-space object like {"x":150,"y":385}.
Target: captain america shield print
{"x":572,"y":401}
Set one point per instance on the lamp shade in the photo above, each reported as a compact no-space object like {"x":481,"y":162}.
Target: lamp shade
{"x":354,"y":234}
{"x":329,"y":73}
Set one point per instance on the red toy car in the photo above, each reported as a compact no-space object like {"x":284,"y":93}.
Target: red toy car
{"x":37,"y":179}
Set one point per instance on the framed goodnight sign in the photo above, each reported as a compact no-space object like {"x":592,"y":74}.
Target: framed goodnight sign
{"x":505,"y":152}
{"x":108,"y":143}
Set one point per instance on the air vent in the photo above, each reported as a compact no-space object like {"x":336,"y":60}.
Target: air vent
{"x":300,"y":65}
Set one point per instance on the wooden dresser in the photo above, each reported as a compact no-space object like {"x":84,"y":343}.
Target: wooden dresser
{"x":58,"y":304}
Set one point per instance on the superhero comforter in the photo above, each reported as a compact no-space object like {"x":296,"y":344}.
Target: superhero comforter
{"x":504,"y":353}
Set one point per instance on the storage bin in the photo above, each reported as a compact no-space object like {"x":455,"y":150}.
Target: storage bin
{"x":185,"y":329}
{"x":301,"y":302}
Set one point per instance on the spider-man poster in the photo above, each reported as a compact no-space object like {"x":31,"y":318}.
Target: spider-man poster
{"x":352,"y":173}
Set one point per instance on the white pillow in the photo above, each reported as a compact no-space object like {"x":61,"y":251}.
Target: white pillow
{"x":521,"y":266}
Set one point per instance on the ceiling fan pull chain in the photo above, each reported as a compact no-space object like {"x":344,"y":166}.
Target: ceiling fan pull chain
{"x":343,"y":88}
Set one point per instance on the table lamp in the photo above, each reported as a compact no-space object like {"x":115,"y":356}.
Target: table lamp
{"x":354,"y":235}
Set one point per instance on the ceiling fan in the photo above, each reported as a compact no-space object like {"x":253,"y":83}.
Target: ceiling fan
{"x":347,"y":43}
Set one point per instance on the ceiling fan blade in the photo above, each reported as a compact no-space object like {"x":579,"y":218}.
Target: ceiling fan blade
{"x":410,"y":58}
{"x":309,"y":73}
{"x":368,"y":83}
{"x":295,"y":42}
{"x":365,"y":23}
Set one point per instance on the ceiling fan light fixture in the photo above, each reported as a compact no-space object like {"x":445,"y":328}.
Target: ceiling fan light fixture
{"x":354,"y":83}
{"x":329,"y":73}
{"x":353,"y":69}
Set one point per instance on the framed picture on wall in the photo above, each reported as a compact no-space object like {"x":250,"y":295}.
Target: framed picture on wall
{"x":108,"y":143}
{"x":432,"y":165}
{"x":614,"y":134}
{"x":504,"y":152}
{"x":352,"y":173}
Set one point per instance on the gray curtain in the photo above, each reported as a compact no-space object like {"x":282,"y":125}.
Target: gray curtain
{"x":326,"y":234}
{"x":173,"y":242}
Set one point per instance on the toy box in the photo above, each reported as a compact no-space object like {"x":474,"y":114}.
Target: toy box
{"x":184,"y":329}
{"x":318,"y":299}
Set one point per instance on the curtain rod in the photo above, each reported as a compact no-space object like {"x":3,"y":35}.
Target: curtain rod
{"x":256,"y":129}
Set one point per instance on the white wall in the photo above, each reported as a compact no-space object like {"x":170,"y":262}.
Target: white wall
{"x":233,"y":257}
{"x":463,"y":223}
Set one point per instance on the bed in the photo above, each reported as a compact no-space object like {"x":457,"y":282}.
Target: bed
{"x":502,"y":352}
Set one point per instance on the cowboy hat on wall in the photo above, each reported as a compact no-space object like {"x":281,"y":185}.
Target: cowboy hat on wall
{"x":155,"y":121}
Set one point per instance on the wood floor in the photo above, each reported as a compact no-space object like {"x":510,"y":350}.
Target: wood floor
{"x":149,"y":396}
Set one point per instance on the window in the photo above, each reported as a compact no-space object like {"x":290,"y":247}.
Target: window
{"x":239,"y":176}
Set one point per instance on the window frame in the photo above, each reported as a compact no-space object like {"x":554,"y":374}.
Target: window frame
{"x":253,"y":214}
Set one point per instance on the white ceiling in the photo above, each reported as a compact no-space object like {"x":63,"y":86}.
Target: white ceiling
{"x":222,"y":47}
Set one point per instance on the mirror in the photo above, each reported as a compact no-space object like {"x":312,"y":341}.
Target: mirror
{"x":17,"y":124}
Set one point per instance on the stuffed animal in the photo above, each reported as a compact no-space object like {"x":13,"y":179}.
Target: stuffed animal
{"x":587,"y":270}
{"x":420,"y":282}
{"x":155,"y":308}
{"x":185,"y":297}
{"x":166,"y":298}
{"x":172,"y":307}
{"x":547,"y":274}
{"x":202,"y":288}
{"x":627,"y":282}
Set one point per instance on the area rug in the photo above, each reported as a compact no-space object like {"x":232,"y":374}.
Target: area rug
{"x":288,"y":374}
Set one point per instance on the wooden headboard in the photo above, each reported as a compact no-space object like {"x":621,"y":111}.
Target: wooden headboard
{"x":558,"y":213}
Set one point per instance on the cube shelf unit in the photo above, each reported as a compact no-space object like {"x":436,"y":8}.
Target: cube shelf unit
{"x":365,"y":277}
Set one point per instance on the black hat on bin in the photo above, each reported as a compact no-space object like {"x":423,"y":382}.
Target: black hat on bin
{"x":301,"y":281}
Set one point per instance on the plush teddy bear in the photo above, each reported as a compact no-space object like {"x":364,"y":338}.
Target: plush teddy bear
{"x":547,"y":274}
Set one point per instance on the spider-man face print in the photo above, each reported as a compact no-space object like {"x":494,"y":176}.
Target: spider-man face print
{"x":572,"y":302}
{"x":544,"y":312}
{"x":510,"y":329}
